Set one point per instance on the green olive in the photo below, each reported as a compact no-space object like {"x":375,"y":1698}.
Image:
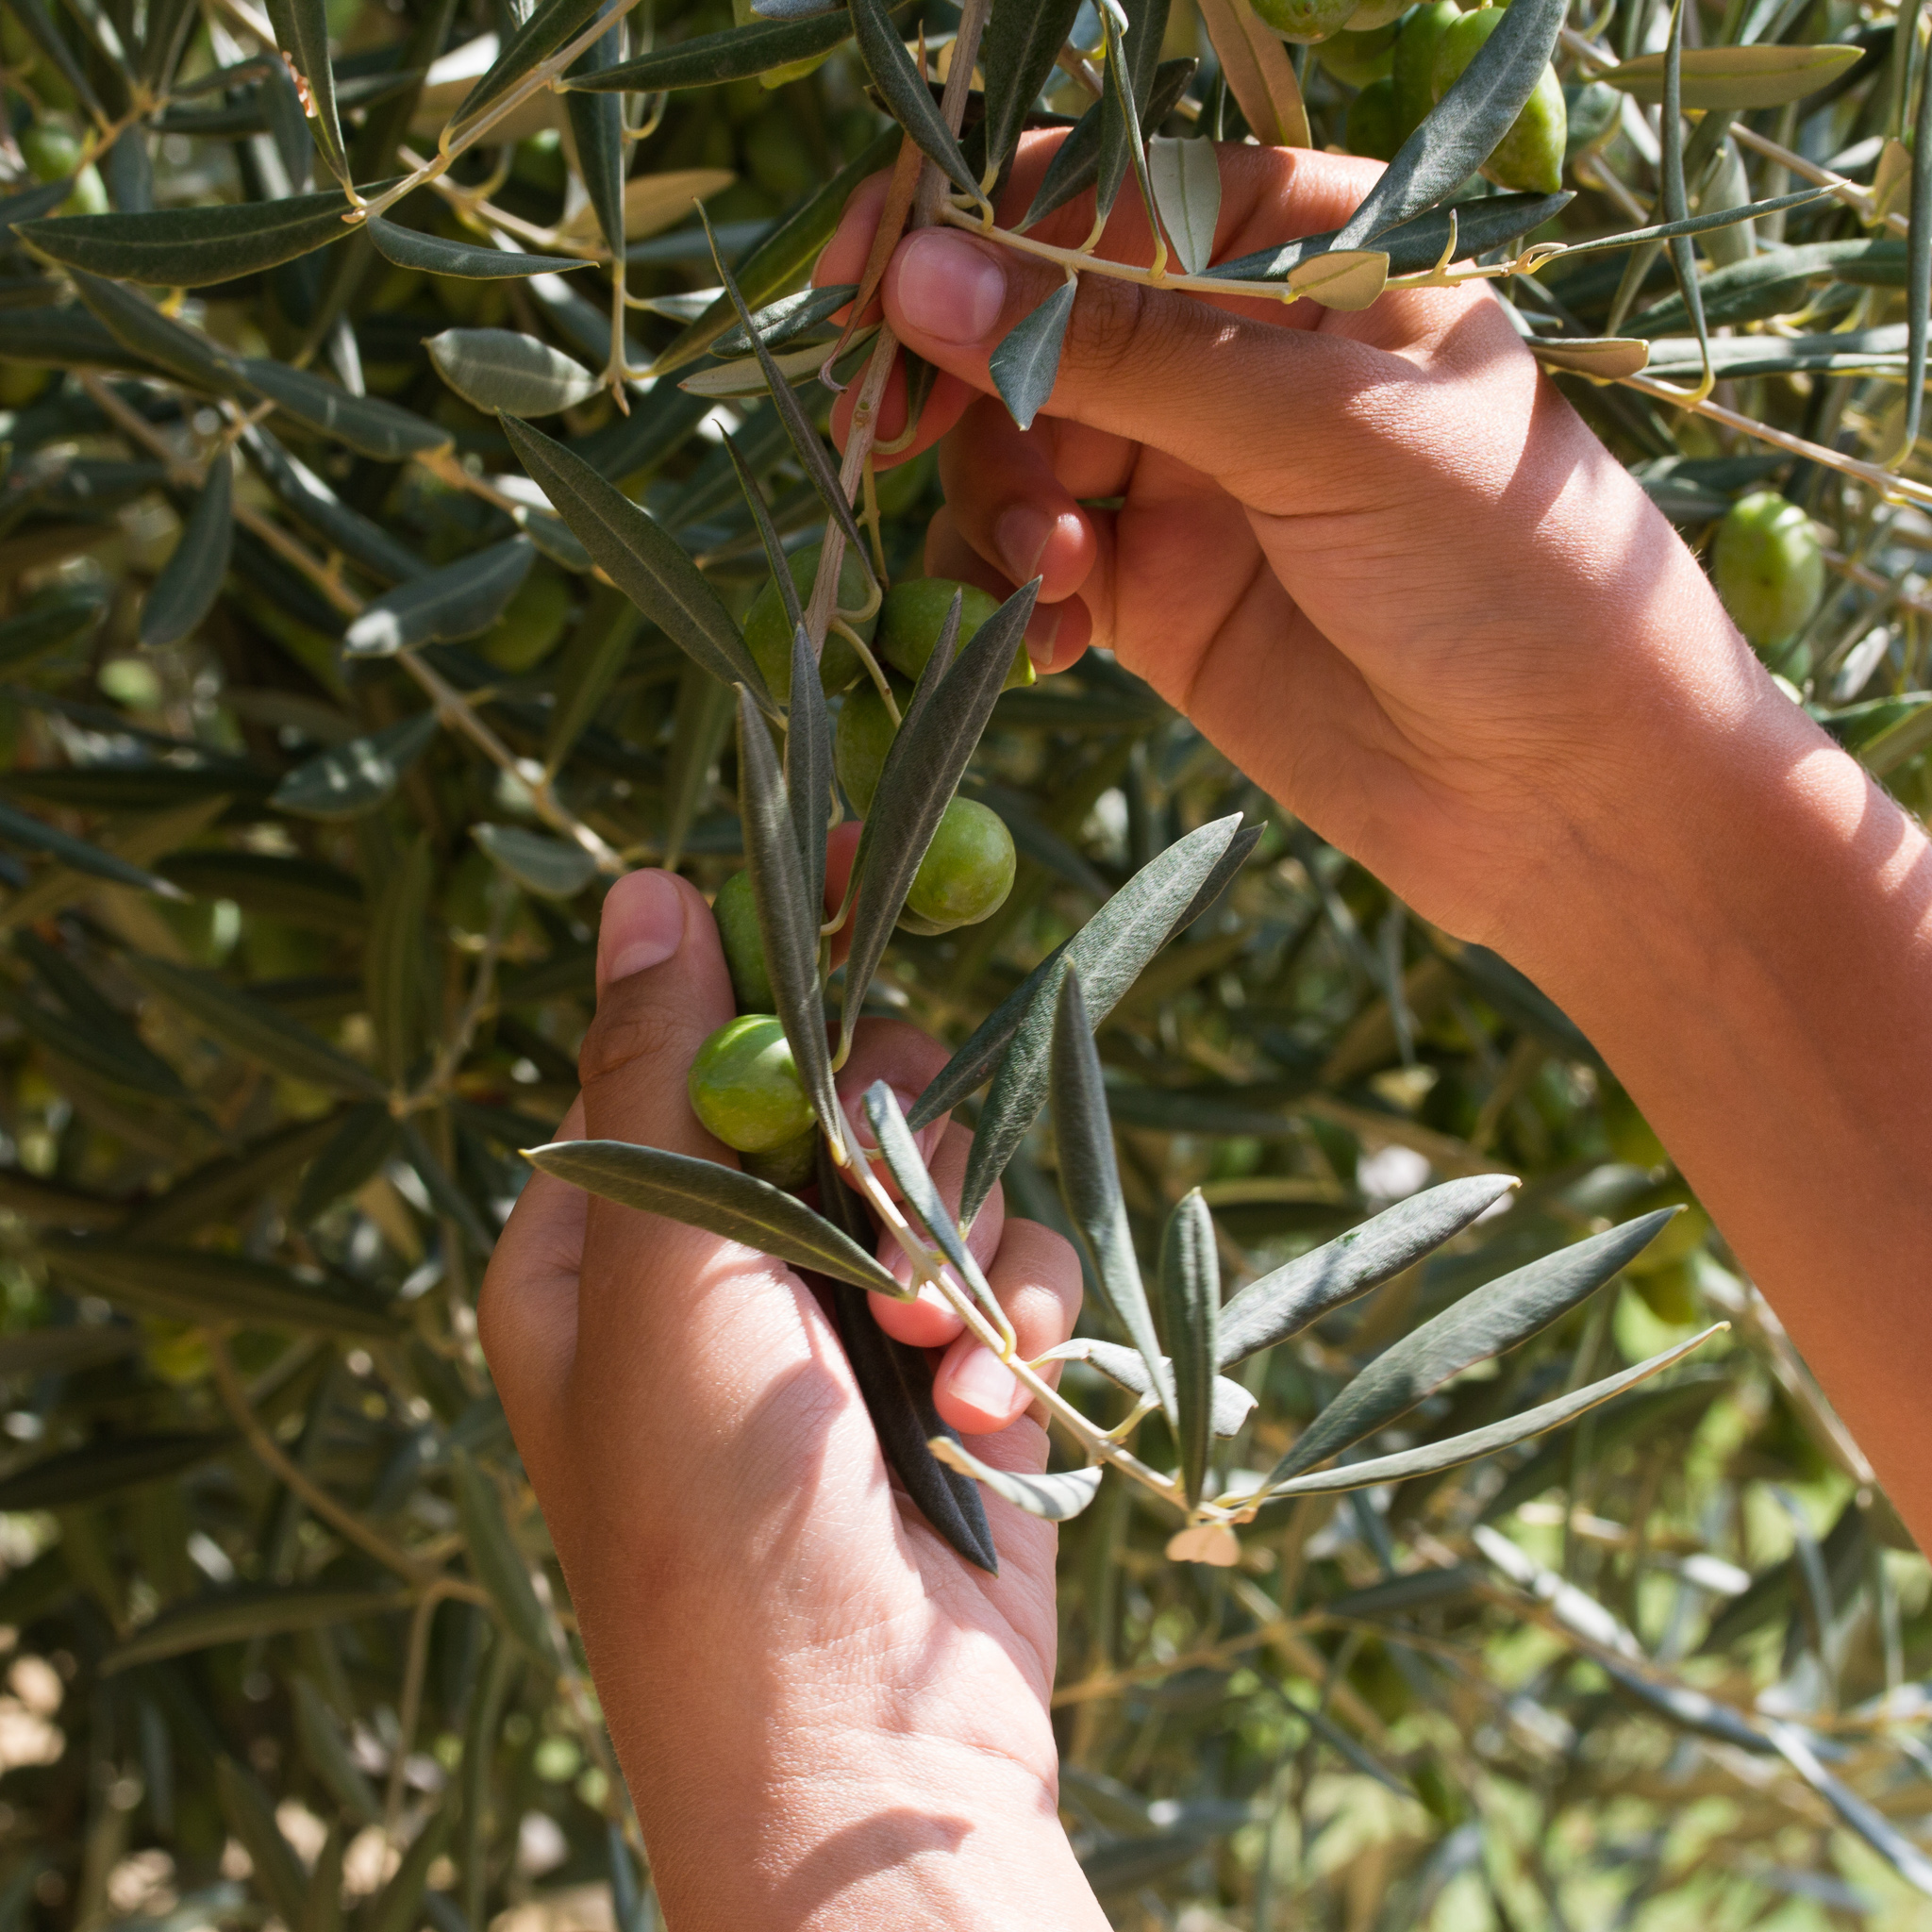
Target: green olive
{"x":1307,"y":20}
{"x":1415,"y":62}
{"x":861,"y":739}
{"x":789,"y":1166}
{"x":1359,"y":57}
{"x":967,"y":871}
{"x":531,"y":623}
{"x":744,"y":949}
{"x":1591,"y":112}
{"x":768,"y":636}
{"x":1530,"y":156}
{"x":1372,"y":128}
{"x":1768,"y":566}
{"x":914,"y":613}
{"x":1373,"y":14}
{"x":744,"y":1086}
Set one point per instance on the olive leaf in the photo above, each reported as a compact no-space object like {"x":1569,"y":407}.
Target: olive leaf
{"x":134,"y":321}
{"x":394,"y":960}
{"x":242,"y":1614}
{"x":770,"y":542}
{"x":1186,"y":177}
{"x":184,"y":591}
{"x":710,"y":60}
{"x":104,"y":1044}
{"x":950,"y":706}
{"x":1918,"y":272}
{"x":1468,"y":121}
{"x":1281,"y":1304}
{"x":779,"y":321}
{"x":188,"y":247}
{"x":1132,"y":31}
{"x":809,"y":765}
{"x":495,"y":368}
{"x":1028,"y":359}
{"x":274,"y":1867}
{"x":1058,"y":1498}
{"x":360,"y":1147}
{"x":1076,"y":165}
{"x":1109,"y":953}
{"x":251,"y":1025}
{"x":788,"y":917}
{"x":306,"y":495}
{"x":596,"y":124}
{"x":398,"y":1906}
{"x":550,"y":868}
{"x":1189,"y":1284}
{"x":302,"y":32}
{"x":366,"y":424}
{"x":1694,"y":224}
{"x":499,"y":1565}
{"x":457,"y":601}
{"x":1229,"y":1404}
{"x":1606,"y":358}
{"x":1736,"y":78}
{"x":22,"y":829}
{"x":1258,"y":72}
{"x":328,"y":1756}
{"x":1673,"y":199}
{"x":436,"y":255}
{"x":549,"y":25}
{"x":350,"y":780}
{"x":703,"y":1194}
{"x":39,"y":633}
{"x":1090,"y":1184}
{"x":1017,"y":54}
{"x":1434,"y":1457}
{"x":1486,"y":1323}
{"x":107,"y":1467}
{"x":901,"y":1155}
{"x":645,"y":563}
{"x":905,"y":94}
{"x":47,"y":37}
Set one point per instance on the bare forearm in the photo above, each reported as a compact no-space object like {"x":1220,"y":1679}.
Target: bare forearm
{"x":1749,"y":943}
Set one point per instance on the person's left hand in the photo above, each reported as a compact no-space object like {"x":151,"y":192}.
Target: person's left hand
{"x":825,"y":1715}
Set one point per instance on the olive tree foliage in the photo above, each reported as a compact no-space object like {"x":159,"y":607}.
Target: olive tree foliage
{"x":397,"y":474}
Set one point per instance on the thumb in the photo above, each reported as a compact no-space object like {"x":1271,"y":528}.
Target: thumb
{"x":1148,"y":365}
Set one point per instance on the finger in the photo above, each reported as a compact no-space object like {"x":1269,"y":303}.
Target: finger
{"x":527,"y":1309}
{"x":1056,"y":633}
{"x":1036,"y":1275}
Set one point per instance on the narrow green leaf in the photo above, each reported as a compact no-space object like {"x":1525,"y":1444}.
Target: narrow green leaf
{"x":22,"y":829}
{"x":1736,"y":78}
{"x":302,"y":32}
{"x":549,"y":25}
{"x":1694,"y":225}
{"x":703,"y":1194}
{"x":1076,"y":165}
{"x":1342,"y":278}
{"x":1190,"y":1309}
{"x":105,"y":1047}
{"x":1058,"y":1498}
{"x":240,"y":1615}
{"x":1109,"y":953}
{"x":1186,"y":191}
{"x":901,"y":1155}
{"x":953,"y":700}
{"x":788,"y":918}
{"x":499,"y":1565}
{"x":356,"y":1151}
{"x":47,"y":37}
{"x":1468,"y":121}
{"x":400,"y":960}
{"x":767,"y":535}
{"x":1918,"y":272}
{"x":1017,"y":54}
{"x":199,"y":1285}
{"x":1028,"y":359}
{"x":278,"y":1873}
{"x":648,"y":565}
{"x":779,"y":322}
{"x":596,"y":124}
{"x":1485,"y":1323}
{"x":1230,"y":1406}
{"x":323,"y":1910}
{"x":189,"y":247}
{"x":327,"y":1754}
{"x":105,"y":1468}
{"x":1606,"y":358}
{"x":366,"y":424}
{"x":229,"y":1183}
{"x":134,"y":321}
{"x":184,"y":591}
{"x":761,"y":46}
{"x":495,"y":368}
{"x":705,"y":715}
{"x":596,"y":652}
{"x":1281,"y":1304}
{"x":398,"y":1906}
{"x":1090,"y":1182}
{"x":908,"y":98}
{"x":550,"y":868}
{"x":349,"y":780}
{"x":433,"y":255}
{"x":1133,"y":33}
{"x":307,"y":496}
{"x":39,"y":633}
{"x":1417,"y":244}
{"x":1676,"y":201}
{"x":1452,"y":1450}
{"x":457,"y":601}
{"x":248,"y":1025}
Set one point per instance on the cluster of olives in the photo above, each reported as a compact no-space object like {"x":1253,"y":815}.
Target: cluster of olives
{"x":744,"y":1084}
{"x":1768,"y":566}
{"x":1403,"y":63}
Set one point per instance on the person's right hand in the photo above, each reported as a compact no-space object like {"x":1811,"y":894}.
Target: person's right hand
{"x":1375,"y":557}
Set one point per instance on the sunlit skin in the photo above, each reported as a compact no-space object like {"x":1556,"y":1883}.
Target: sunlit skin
{"x":1379,"y":562}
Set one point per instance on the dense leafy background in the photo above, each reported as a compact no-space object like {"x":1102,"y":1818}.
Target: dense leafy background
{"x":278,"y":1600}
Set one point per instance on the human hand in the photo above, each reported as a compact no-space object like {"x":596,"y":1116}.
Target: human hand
{"x":825,"y":1716}
{"x":1375,"y":557}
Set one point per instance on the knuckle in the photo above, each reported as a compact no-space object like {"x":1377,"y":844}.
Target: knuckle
{"x":627,"y":1031}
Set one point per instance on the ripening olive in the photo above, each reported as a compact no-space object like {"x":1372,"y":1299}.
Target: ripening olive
{"x":1307,"y":20}
{"x":1372,"y":128}
{"x":744,"y":949}
{"x":914,"y":613}
{"x":531,"y":623}
{"x":768,"y":636}
{"x":1415,"y":62}
{"x":1591,"y":112}
{"x":861,"y":739}
{"x":967,"y":871}
{"x":51,"y":153}
{"x":1358,"y":58}
{"x":1371,"y":14}
{"x":1530,"y":156}
{"x":1768,"y":566}
{"x":744,"y":1086}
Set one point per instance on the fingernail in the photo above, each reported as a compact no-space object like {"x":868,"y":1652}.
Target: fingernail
{"x":985,"y":1382}
{"x":1022,"y":533}
{"x":1041,"y":629}
{"x":642,"y":926}
{"x":950,"y":287}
